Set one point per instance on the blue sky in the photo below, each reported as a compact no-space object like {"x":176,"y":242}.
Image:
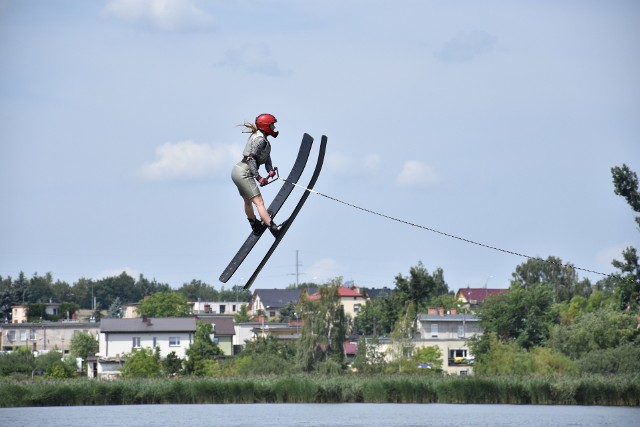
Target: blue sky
{"x":494,"y":121}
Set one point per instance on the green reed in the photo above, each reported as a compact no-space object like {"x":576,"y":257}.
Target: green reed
{"x":618,"y":390}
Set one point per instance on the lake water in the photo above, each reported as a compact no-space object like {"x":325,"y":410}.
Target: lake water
{"x":321,"y":415}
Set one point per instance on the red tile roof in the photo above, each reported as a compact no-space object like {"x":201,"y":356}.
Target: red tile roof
{"x":478,"y":295}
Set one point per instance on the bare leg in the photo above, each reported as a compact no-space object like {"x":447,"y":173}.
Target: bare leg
{"x":262,"y":211}
{"x":248,"y":209}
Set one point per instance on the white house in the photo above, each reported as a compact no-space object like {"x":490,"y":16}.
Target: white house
{"x":170,"y":334}
{"x":450,"y":332}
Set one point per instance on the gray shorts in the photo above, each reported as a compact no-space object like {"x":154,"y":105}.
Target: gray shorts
{"x":246,"y":184}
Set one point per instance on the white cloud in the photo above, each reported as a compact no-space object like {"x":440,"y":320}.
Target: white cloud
{"x":338,"y":163}
{"x":167,"y":15}
{"x":416,"y":173}
{"x":188,"y":160}
{"x":372,"y":162}
{"x":466,"y":45}
{"x":323,"y":270}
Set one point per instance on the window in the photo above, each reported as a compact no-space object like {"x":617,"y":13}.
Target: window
{"x":434,"y":330}
{"x":356,"y":308}
{"x":155,"y":342}
{"x":223,"y":308}
{"x":23,"y":335}
{"x":460,"y":331}
{"x":11,"y":335}
{"x":174,"y":341}
{"x":136,"y":342}
{"x":32,"y":334}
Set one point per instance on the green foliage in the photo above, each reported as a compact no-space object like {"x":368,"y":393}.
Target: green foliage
{"x":599,"y":330}
{"x":369,"y":359}
{"x":116,"y":311}
{"x":19,"y":362}
{"x":198,"y":290}
{"x":562,"y":279}
{"x":142,"y":363}
{"x":164,"y":304}
{"x":431,"y":355}
{"x":524,"y":314}
{"x":420,"y":286}
{"x":376,"y":318}
{"x":202,"y":349}
{"x":242,"y":315}
{"x":172,"y":364}
{"x":83,"y":344}
{"x":324,"y":329}
{"x":624,"y":359}
{"x":625,"y":183}
{"x":509,"y":359}
{"x":296,"y":388}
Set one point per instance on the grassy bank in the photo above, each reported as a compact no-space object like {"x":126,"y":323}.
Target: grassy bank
{"x":590,"y":390}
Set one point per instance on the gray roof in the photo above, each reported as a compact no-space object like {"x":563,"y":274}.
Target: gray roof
{"x":223,"y":325}
{"x":448,"y":318}
{"x":152,"y":324}
{"x":278,"y":298}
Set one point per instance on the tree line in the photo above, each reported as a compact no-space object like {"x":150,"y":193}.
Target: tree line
{"x":102,"y":294}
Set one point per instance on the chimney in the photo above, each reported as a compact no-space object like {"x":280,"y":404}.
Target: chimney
{"x":453,"y":311}
{"x":432,"y":311}
{"x":441,"y":311}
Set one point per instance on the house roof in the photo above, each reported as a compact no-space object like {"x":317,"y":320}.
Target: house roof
{"x":277,"y":298}
{"x":343,"y":292}
{"x":448,"y":318}
{"x":223,"y":325}
{"x":374,"y":293}
{"x":149,"y":324}
{"x":478,"y":294}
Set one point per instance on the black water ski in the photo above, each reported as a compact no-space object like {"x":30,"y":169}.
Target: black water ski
{"x":274,"y":207}
{"x":286,"y":224}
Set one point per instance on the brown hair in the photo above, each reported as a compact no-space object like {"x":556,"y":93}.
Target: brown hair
{"x":249,"y":127}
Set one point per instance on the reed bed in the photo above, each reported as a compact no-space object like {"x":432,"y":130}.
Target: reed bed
{"x":588,"y":390}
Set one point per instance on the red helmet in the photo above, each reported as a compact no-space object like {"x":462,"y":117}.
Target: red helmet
{"x":266,"y":123}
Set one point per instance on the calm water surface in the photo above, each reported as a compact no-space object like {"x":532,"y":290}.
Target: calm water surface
{"x":321,"y":415}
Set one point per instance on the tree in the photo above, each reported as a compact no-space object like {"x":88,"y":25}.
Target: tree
{"x":523,"y":314}
{"x":563,"y":279}
{"x":83,"y":345}
{"x":142,"y":363}
{"x":419,"y":287}
{"x":430,"y":355}
{"x":198,"y":290}
{"x":324,"y":329}
{"x":115,"y":309}
{"x":599,"y":330}
{"x":172,"y":364}
{"x":202,"y":350}
{"x":242,"y":315}
{"x":625,"y":183}
{"x":164,"y":304}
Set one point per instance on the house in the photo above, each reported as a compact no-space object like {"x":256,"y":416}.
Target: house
{"x":450,"y":332}
{"x":375,"y":293}
{"x":169,"y":334}
{"x":282,"y":332}
{"x":272,"y":301}
{"x":350,"y":299}
{"x":223,"y":332}
{"x":216,"y":307}
{"x":43,"y":336}
{"x":473,"y":297}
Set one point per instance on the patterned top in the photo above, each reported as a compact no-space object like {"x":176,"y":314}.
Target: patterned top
{"x":257,"y":152}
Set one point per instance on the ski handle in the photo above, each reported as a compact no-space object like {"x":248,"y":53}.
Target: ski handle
{"x":274,"y":178}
